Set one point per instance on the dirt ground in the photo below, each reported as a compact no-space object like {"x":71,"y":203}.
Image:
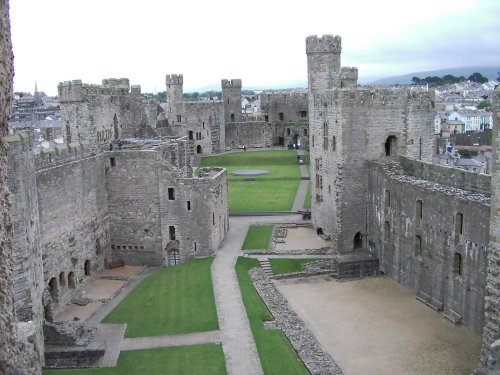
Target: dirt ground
{"x":375,"y":326}
{"x":70,"y":312}
{"x":302,"y":238}
{"x":102,"y":289}
{"x":122,"y":272}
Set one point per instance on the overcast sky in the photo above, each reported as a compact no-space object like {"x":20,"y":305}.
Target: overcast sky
{"x":260,"y":41}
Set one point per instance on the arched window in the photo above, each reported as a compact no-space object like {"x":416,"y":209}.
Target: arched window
{"x":232,"y":117}
{"x":62,"y":279}
{"x":115,"y":127}
{"x":53,"y":288}
{"x":71,"y":280}
{"x":358,"y":241}
{"x":86,"y":267}
{"x":198,"y":149}
{"x":334,"y":143}
{"x":287,"y":131}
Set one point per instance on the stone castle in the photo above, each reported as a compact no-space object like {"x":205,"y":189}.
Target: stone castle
{"x":122,"y":187}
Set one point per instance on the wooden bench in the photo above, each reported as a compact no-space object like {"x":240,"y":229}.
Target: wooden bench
{"x":453,"y":317}
{"x":115,"y":264}
{"x":423,"y":297}
{"x":435,"y":304}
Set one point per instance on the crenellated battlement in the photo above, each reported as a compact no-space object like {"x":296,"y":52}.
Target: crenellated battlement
{"x":231,"y":83}
{"x":135,"y":89}
{"x":347,"y":72}
{"x":174,"y":79}
{"x":76,"y":91}
{"x":283,"y":96}
{"x":61,"y":153}
{"x":116,"y":83}
{"x":19,"y":142}
{"x":325,"y":44}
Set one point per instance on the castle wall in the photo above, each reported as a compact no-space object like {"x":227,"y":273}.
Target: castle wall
{"x":413,"y":229}
{"x":491,"y":332}
{"x":100,"y":114}
{"x":231,"y":97}
{"x":74,"y":224}
{"x":250,"y":134}
{"x":206,"y":119}
{"x":17,"y":354}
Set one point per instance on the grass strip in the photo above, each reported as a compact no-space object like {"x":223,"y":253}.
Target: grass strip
{"x":276,"y":354}
{"x":173,"y":300}
{"x":206,"y":359}
{"x":258,"y":237}
{"x":289,"y":265}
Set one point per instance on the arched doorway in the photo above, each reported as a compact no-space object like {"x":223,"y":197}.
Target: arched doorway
{"x":86,"y":267}
{"x":198,"y":149}
{"x":390,"y":145}
{"x":53,"y":288}
{"x":71,"y":280}
{"x":358,"y":241}
{"x":62,"y":279}
{"x":173,"y":257}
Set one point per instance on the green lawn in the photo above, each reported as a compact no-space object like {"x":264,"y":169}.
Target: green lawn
{"x":287,"y":265}
{"x":258,"y":237}
{"x":207,"y":359}
{"x":276,"y":354}
{"x":174,"y":300}
{"x":272,"y":192}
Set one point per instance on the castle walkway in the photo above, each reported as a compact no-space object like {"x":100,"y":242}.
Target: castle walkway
{"x":237,"y":341}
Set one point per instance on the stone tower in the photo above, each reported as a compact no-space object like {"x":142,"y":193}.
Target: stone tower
{"x":348,"y":126}
{"x":231,"y":97}
{"x":174,"y":84}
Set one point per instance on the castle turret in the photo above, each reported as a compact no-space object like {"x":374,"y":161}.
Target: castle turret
{"x":231,"y":96}
{"x":323,"y":62}
{"x":174,"y":84}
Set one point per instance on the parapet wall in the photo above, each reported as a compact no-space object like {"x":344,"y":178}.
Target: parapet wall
{"x":325,"y":44}
{"x":231,"y":83}
{"x":174,"y":79}
{"x":76,"y":91}
{"x":449,"y":176}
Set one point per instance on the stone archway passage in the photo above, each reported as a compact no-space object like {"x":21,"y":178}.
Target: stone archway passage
{"x":358,"y":241}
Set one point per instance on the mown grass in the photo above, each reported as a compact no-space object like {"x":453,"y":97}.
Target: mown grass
{"x":288,"y":265}
{"x":276,"y":354}
{"x":271,"y":192}
{"x":174,"y":300}
{"x":206,"y":359}
{"x":258,"y":237}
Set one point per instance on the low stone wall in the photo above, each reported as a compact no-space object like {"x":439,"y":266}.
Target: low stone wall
{"x":70,"y":358}
{"x":303,"y":341}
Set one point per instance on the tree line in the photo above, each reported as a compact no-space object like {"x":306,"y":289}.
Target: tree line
{"x":448,"y":79}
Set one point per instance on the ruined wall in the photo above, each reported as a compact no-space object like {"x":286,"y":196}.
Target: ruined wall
{"x":74,"y":215}
{"x":206,"y":119}
{"x":431,"y":239}
{"x":491,"y":331}
{"x":17,"y":355}
{"x":287,"y":111}
{"x":251,"y":134}
{"x":100,"y":114}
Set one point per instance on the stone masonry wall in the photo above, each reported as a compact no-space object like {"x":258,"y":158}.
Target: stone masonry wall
{"x":250,"y":134}
{"x":413,"y":230}
{"x":74,"y":224}
{"x":17,"y":356}
{"x":491,"y":331}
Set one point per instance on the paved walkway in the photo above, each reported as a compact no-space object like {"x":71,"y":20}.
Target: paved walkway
{"x":237,"y":341}
{"x":170,"y":340}
{"x":298,"y":203}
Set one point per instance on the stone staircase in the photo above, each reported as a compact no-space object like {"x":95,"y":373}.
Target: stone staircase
{"x":266,"y":267}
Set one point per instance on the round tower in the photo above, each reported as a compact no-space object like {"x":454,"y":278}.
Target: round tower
{"x":323,"y":62}
{"x":174,"y":84}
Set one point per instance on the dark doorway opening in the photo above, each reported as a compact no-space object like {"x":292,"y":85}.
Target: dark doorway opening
{"x":358,"y":241}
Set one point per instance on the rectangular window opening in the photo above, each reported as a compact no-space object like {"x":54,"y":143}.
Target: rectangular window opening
{"x":171,"y":194}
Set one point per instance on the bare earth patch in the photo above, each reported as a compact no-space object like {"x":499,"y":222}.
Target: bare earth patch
{"x":375,"y":326}
{"x":70,"y":312}
{"x":125,"y":272}
{"x":102,"y":289}
{"x":302,"y":238}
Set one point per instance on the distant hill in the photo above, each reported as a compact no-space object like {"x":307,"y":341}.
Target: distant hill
{"x":489,"y":72}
